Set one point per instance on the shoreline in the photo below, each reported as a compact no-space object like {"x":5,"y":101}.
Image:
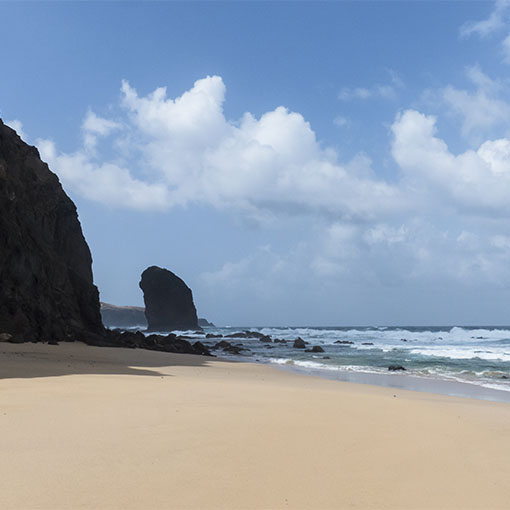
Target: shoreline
{"x":403,"y":381}
{"x":110,"y":428}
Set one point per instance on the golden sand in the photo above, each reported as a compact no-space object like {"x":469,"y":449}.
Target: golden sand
{"x":97,"y":428}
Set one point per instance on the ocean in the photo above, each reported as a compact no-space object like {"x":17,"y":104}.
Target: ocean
{"x":476,"y":356}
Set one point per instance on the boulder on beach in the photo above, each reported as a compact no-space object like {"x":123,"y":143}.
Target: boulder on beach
{"x":168,"y":301}
{"x":396,"y":368}
{"x":46,"y":286}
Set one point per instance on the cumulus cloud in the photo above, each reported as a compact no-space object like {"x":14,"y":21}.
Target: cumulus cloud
{"x":185,"y":150}
{"x":473,"y":181}
{"x":480,"y":109}
{"x":108,"y":183}
{"x":94,"y":127}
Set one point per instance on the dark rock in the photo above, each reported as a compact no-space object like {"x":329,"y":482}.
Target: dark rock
{"x":212,"y":335}
{"x":17,"y":339}
{"x":367,"y":343}
{"x":396,"y":368}
{"x":46,"y":289}
{"x":201,"y":349}
{"x":279,"y":341}
{"x":299,"y":343}
{"x":315,"y":348}
{"x":344,"y":342}
{"x":253,"y":334}
{"x":123,"y":316}
{"x":505,"y":377}
{"x":5,"y":337}
{"x":326,"y":357}
{"x":168,"y":301}
{"x":222,"y":345}
{"x":265,"y":338}
{"x":403,"y":339}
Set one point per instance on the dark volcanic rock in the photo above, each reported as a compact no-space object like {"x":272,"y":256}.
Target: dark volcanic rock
{"x":315,"y":348}
{"x":299,"y":343}
{"x":46,"y":287}
{"x":168,"y":301}
{"x":228,"y":347}
{"x":344,"y":342}
{"x":168,"y":343}
{"x":123,"y":316}
{"x":396,"y":368}
{"x":212,"y":335}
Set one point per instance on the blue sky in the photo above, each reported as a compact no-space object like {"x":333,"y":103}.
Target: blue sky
{"x":312,"y":163}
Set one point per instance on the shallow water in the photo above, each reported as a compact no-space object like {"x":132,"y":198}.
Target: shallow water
{"x":476,"y":356}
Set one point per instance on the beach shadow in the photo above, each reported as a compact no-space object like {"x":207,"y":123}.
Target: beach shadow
{"x":74,"y":358}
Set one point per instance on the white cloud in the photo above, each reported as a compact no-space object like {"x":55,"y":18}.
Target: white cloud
{"x":480,"y":110}
{"x":94,"y":127}
{"x":18,"y":127}
{"x":473,"y":181}
{"x":107,"y":183}
{"x":186,"y":151}
{"x":497,"y":19}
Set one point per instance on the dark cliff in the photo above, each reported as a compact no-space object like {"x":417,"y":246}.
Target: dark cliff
{"x":168,"y":301}
{"x":46,"y":286}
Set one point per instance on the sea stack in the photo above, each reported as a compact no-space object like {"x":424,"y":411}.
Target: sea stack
{"x":46,"y":286}
{"x":168,"y":301}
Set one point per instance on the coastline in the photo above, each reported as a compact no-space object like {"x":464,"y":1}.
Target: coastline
{"x":116,"y":428}
{"x":403,"y":381}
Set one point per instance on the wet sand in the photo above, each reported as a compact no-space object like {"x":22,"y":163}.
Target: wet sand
{"x":97,"y":428}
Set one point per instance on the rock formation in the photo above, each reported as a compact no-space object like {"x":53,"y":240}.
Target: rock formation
{"x":168,"y":301}
{"x":46,"y":287}
{"x":123,"y":316}
{"x":204,"y":323}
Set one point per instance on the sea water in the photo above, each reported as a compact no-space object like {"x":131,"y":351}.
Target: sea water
{"x":477,"y":356}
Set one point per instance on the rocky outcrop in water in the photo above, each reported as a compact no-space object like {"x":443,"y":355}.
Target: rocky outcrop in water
{"x":123,"y":316}
{"x":46,"y":287}
{"x":168,"y":301}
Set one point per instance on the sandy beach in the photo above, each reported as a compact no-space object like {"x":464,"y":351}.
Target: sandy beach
{"x":99,"y":428}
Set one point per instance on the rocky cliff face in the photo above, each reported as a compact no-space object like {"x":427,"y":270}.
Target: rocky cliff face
{"x":168,"y":301}
{"x":46,"y":287}
{"x":123,"y":316}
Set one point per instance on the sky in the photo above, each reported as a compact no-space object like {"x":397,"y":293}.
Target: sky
{"x":296,"y":163}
